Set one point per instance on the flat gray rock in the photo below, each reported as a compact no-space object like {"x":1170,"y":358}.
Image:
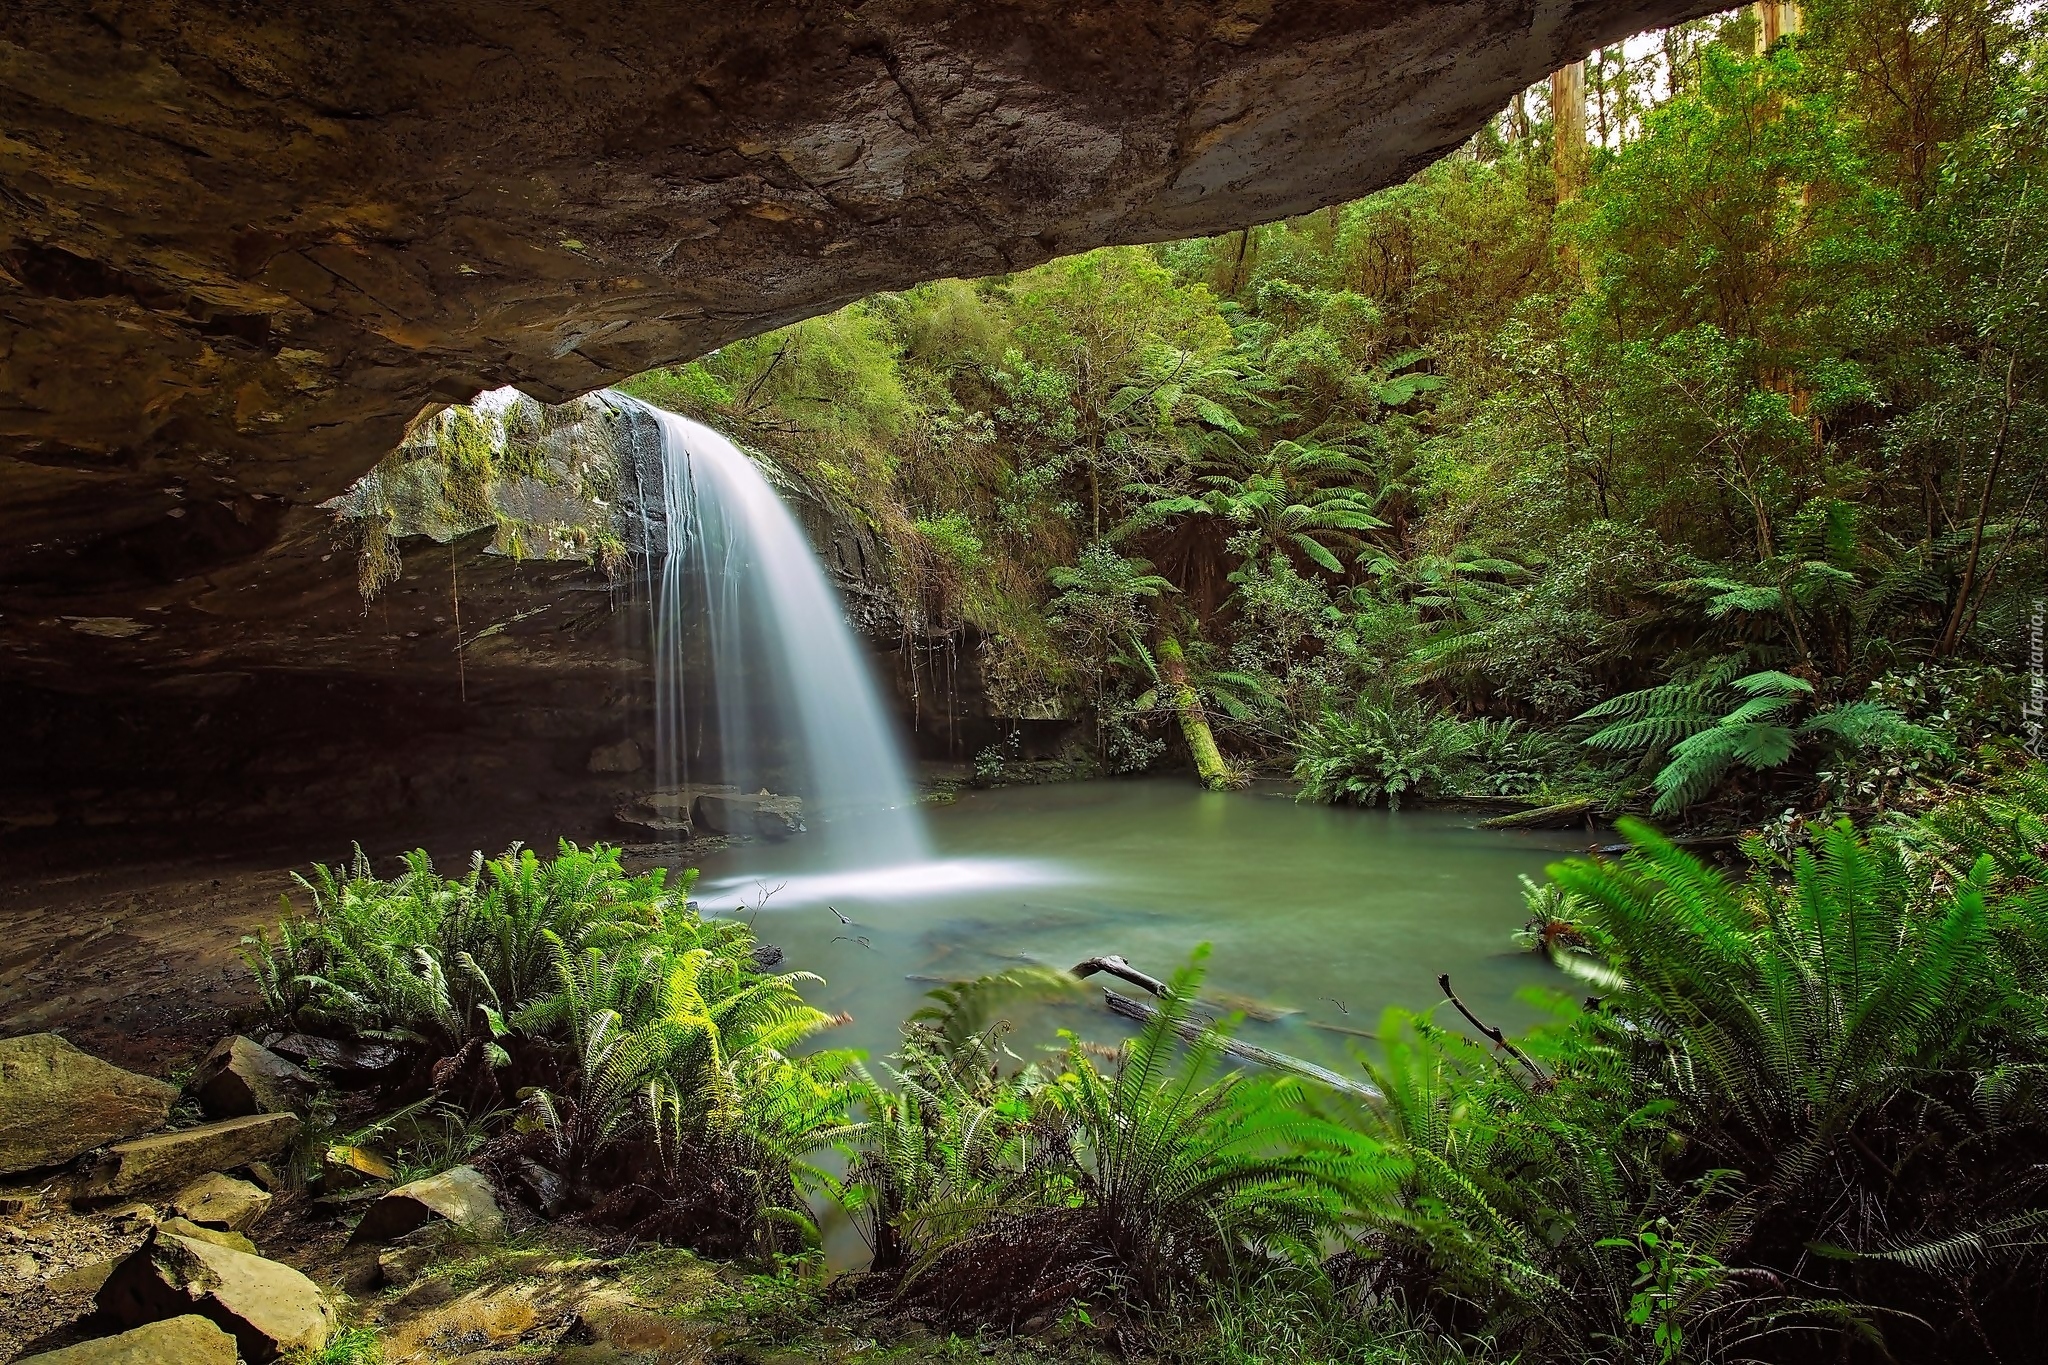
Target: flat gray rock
{"x":57,"y":1102}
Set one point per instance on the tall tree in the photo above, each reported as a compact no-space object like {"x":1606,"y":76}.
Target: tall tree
{"x":1568,"y":129}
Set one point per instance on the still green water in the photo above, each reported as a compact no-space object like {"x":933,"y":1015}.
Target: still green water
{"x":1324,"y":915}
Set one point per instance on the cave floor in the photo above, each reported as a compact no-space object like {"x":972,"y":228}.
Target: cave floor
{"x":138,"y":964}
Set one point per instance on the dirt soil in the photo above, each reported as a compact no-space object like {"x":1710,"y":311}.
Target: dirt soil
{"x":139,"y":965}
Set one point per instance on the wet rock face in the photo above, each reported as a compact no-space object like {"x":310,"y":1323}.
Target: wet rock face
{"x":240,"y":248}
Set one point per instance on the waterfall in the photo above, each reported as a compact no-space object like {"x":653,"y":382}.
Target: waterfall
{"x":788,"y":693}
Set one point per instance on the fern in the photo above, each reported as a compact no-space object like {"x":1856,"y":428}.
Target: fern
{"x":1715,"y":720}
{"x":1185,"y":1169}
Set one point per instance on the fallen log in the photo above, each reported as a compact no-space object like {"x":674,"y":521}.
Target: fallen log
{"x":1563,"y":815}
{"x":1685,"y":841}
{"x":1194,"y":722}
{"x":1197,"y":1031}
{"x":1220,"y":1002}
{"x":1116,"y":966}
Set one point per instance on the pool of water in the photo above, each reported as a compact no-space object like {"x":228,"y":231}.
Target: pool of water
{"x":1322,"y":915}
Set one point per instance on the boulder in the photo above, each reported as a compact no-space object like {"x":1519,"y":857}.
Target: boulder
{"x":233,"y":1241}
{"x":268,"y":1308}
{"x":56,"y":1102}
{"x":461,"y":1197}
{"x":759,"y":815}
{"x":167,"y":1160}
{"x":241,"y":1077}
{"x":187,"y":1340}
{"x":221,"y":1201}
{"x":664,"y":814}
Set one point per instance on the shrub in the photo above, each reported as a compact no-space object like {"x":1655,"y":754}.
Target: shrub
{"x":1387,"y":746}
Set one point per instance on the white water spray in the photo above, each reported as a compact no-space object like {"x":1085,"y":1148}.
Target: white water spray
{"x":789,"y":695}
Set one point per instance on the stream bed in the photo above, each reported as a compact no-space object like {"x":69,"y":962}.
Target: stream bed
{"x":1322,"y":915}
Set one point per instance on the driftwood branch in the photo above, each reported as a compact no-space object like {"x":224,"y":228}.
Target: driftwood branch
{"x":1116,"y":966}
{"x":1500,"y":1040}
{"x":1196,"y":1031}
{"x":1685,"y":841}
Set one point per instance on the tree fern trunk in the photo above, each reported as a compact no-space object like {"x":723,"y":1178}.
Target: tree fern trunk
{"x":1214,"y":773}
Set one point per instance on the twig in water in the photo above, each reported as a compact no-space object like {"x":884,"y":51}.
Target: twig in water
{"x":1500,"y":1040}
{"x":1342,"y":1008}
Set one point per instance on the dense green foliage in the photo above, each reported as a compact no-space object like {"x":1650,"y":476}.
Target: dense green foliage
{"x":1764,"y":400}
{"x":644,"y":1038}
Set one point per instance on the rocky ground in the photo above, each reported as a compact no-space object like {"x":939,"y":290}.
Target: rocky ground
{"x":532,"y":1294}
{"x":139,"y":1224}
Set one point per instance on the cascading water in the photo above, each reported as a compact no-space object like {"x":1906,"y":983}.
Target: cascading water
{"x":787,"y":691}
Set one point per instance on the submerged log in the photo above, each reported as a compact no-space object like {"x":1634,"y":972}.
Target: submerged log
{"x":1563,"y":815}
{"x":1196,"y":1031}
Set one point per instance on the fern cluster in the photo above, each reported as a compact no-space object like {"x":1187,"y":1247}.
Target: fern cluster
{"x":1803,"y":1110}
{"x":649,"y":1043}
{"x":1391,"y":745}
{"x":1711,"y":720}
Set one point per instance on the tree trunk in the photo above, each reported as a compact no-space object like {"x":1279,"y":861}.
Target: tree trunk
{"x":1214,"y":773}
{"x":1775,"y":20}
{"x":1568,"y":129}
